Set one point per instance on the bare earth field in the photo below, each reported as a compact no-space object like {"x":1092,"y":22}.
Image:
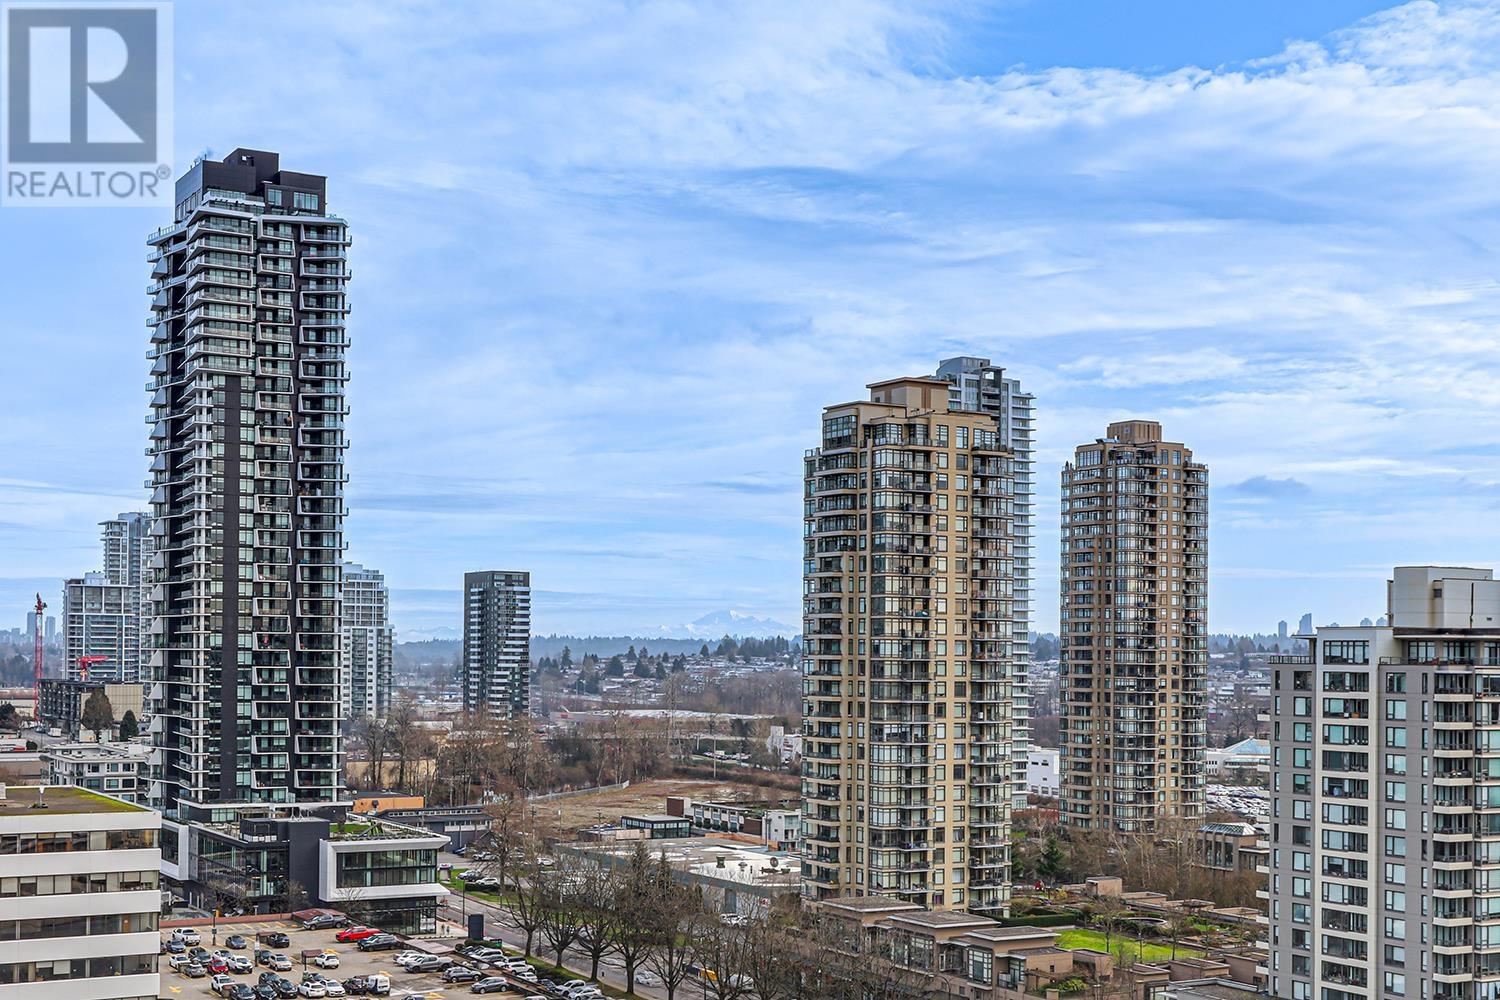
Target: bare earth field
{"x":566,"y":815}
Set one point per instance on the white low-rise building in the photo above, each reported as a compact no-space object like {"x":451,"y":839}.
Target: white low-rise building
{"x":118,"y":769}
{"x":79,"y":902}
{"x":1042,"y":771}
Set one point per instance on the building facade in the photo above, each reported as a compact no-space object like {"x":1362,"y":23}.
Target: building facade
{"x":62,"y":701}
{"x":274,"y":859}
{"x":1385,"y":795}
{"x":79,"y":902}
{"x":981,"y":387}
{"x":101,"y":629}
{"x":127,"y":549}
{"x":119,"y":769}
{"x":497,"y":643}
{"x":909,"y":656}
{"x":1132,"y":637}
{"x":369,"y":643}
{"x":247,"y":444}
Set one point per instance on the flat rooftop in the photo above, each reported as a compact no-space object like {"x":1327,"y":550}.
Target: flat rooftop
{"x":20,"y":800}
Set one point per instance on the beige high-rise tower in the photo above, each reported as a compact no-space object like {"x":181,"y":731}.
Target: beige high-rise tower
{"x":1133,"y":631}
{"x":909,"y":655}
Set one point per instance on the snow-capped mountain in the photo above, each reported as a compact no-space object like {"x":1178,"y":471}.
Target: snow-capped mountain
{"x":716,"y":624}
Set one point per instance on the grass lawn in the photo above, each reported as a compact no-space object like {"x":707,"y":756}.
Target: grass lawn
{"x":1125,"y":950}
{"x":456,"y":887}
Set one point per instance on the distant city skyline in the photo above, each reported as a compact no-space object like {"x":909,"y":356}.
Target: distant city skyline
{"x":1286,"y":252}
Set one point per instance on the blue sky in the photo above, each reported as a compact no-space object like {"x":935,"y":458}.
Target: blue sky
{"x":611,"y":259}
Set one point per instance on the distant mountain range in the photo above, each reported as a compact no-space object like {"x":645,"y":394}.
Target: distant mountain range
{"x":714,"y":625}
{"x":717,"y":624}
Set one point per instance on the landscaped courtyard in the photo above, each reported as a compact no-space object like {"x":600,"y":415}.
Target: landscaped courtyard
{"x":1126,"y":950}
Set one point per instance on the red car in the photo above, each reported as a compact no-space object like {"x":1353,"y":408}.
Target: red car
{"x":217,"y":965}
{"x":356,"y":933}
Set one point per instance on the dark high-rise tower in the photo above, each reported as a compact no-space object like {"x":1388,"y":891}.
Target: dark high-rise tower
{"x":497,"y":643}
{"x":247,"y":447}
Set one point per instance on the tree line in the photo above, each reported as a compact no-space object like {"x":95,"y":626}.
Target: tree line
{"x":641,"y":913}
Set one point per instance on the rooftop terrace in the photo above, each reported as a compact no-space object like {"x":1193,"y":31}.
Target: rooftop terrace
{"x":28,"y":800}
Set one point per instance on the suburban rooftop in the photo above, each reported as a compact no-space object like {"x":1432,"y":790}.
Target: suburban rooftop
{"x":22,"y":800}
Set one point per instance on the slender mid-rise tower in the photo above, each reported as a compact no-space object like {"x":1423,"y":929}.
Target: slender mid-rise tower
{"x":369,"y":643}
{"x":1132,"y":634}
{"x":497,"y":643}
{"x":981,"y":387}
{"x":247,"y":472}
{"x":910,"y":652}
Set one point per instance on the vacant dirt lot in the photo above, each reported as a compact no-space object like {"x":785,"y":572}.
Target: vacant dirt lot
{"x":559,"y":816}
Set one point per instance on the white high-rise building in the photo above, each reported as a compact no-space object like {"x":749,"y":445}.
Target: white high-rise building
{"x":978,"y":386}
{"x":1385,"y":800}
{"x":79,"y":901}
{"x":105,"y":613}
{"x":369,"y":643}
{"x":101,"y":629}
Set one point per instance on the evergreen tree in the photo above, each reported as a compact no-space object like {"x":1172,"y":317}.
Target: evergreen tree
{"x":130,"y":727}
{"x":98,"y":713}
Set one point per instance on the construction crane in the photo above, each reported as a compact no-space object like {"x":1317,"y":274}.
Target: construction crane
{"x":84,"y":662}
{"x":36,"y":686}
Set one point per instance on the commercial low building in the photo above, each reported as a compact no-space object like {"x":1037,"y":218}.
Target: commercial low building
{"x":734,"y":878}
{"x":657,"y":825}
{"x":119,"y":769}
{"x":778,"y":828}
{"x":63,"y":699}
{"x":274,"y":860}
{"x":459,"y":825}
{"x":79,"y":902}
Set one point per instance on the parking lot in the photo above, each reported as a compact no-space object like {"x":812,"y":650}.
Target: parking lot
{"x":352,"y":962}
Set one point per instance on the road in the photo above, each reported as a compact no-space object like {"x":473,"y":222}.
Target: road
{"x":497,"y":925}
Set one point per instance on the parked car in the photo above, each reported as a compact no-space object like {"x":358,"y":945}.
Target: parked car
{"x":175,"y":946}
{"x":490,"y":984}
{"x":238,"y":991}
{"x":356,"y":933}
{"x":323,"y":921}
{"x":460,"y":974}
{"x":240,"y":965}
{"x":217,"y":965}
{"x":199,"y":955}
{"x":327,"y":960}
{"x":428,"y":963}
{"x":266,"y":991}
{"x":194,"y":971}
{"x":178,"y":962}
{"x":286,"y":988}
{"x":280,"y":963}
{"x":188,"y":936}
{"x":237,"y":942}
{"x":408,"y":956}
{"x":380,"y":942}
{"x":313,"y":990}
{"x":377,"y":985}
{"x":274,"y":939}
{"x":524,"y":973}
{"x":645,"y":977}
{"x":335,"y":988}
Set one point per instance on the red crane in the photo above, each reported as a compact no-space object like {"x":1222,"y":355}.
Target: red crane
{"x":36,"y":687}
{"x":84,"y":662}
